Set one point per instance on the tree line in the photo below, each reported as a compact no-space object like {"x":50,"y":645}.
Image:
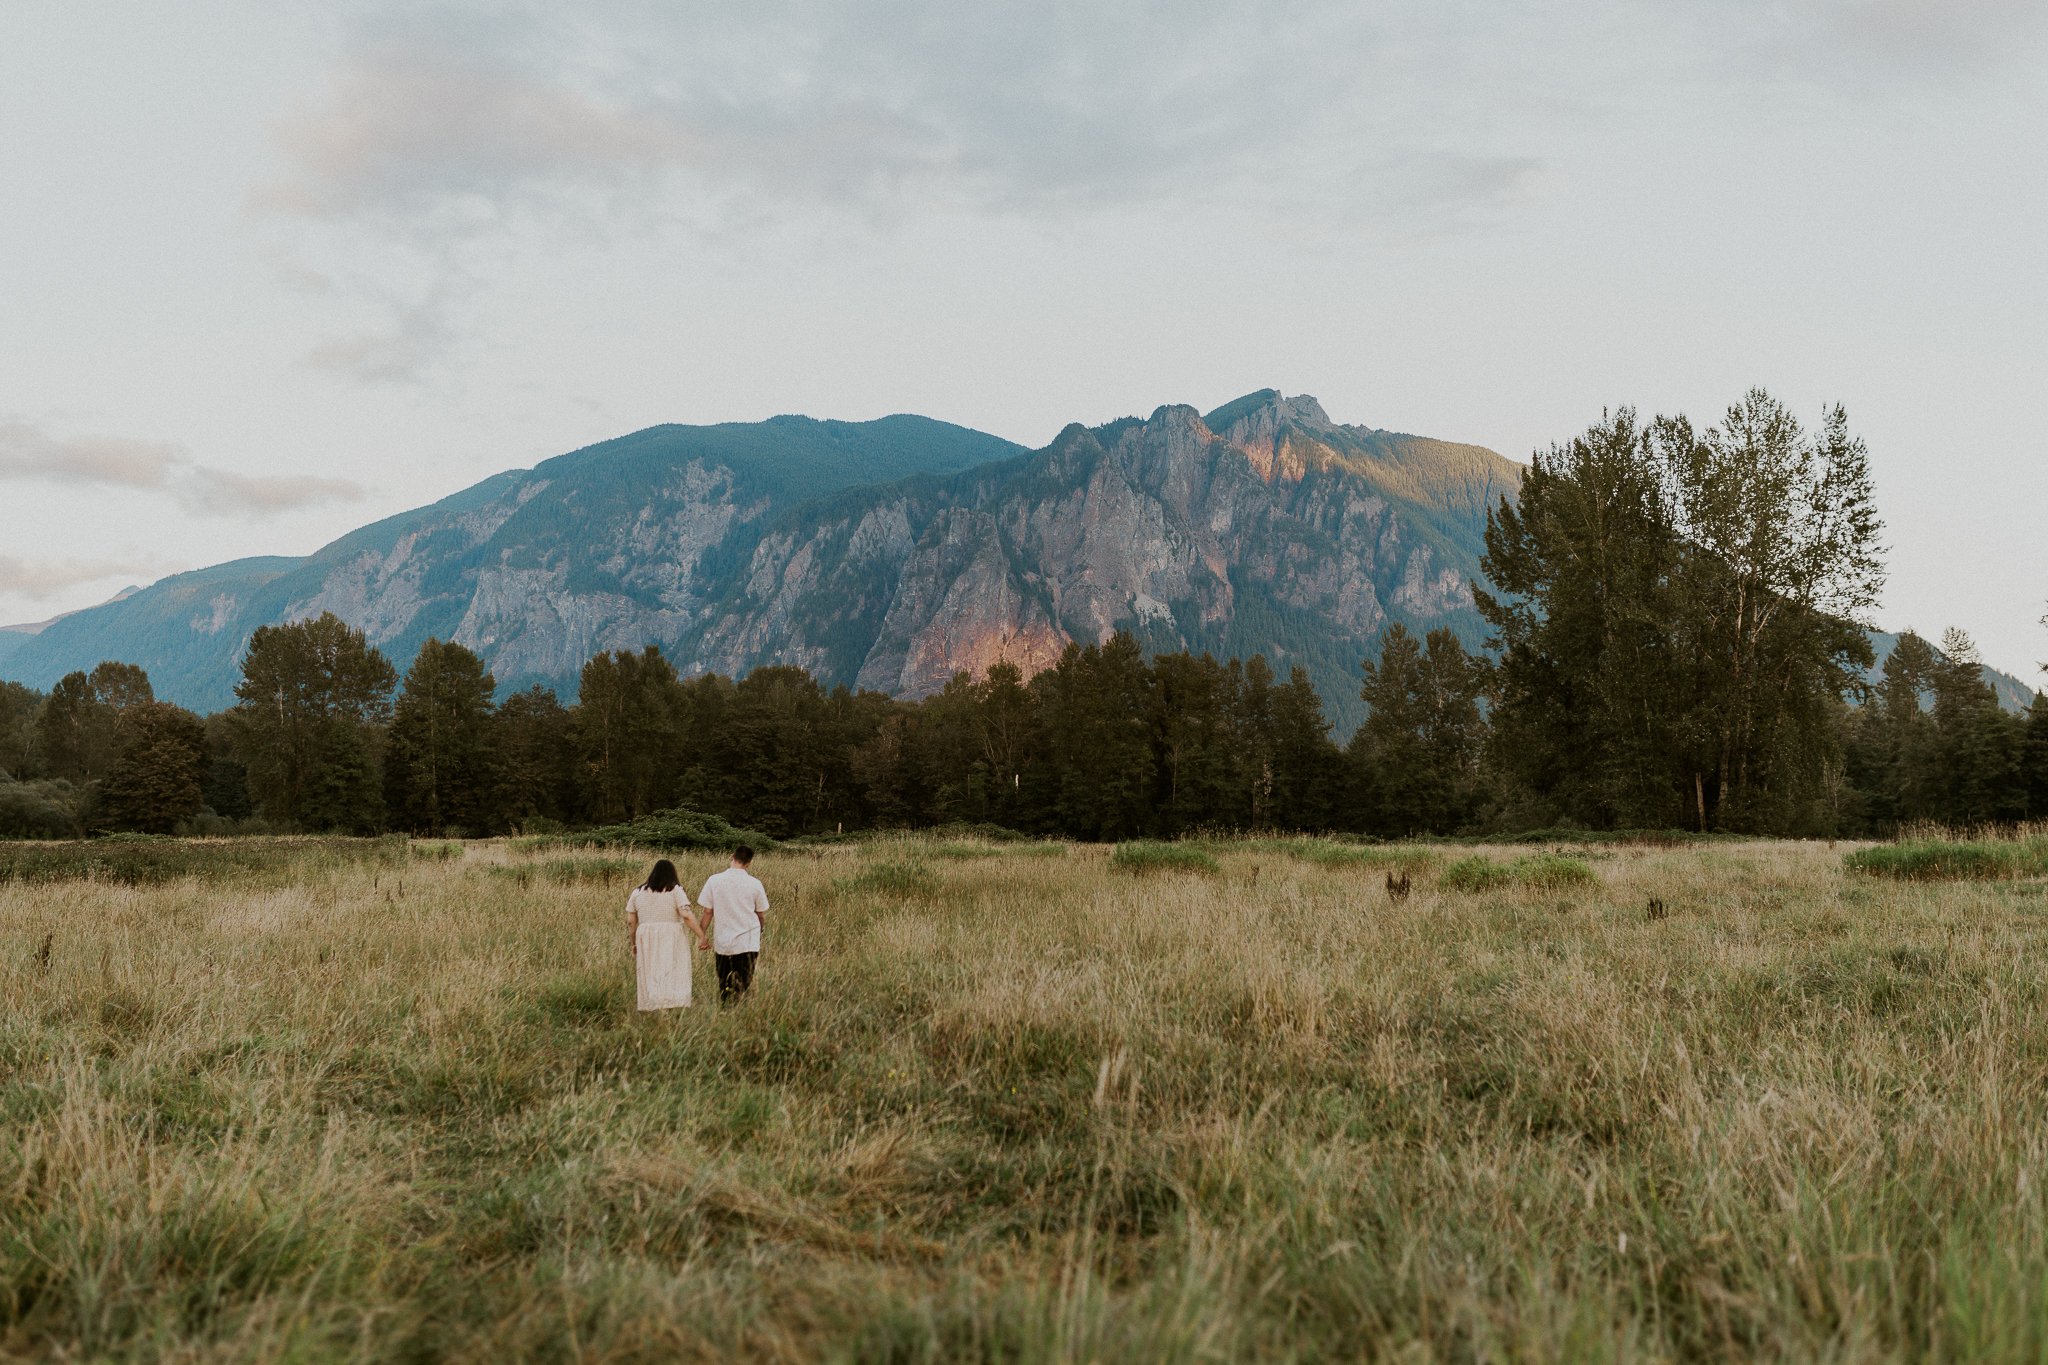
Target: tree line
{"x":1677,"y":617}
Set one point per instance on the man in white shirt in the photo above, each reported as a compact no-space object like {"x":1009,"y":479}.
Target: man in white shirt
{"x":734,"y":901}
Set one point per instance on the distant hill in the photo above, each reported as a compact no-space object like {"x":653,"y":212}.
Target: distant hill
{"x":14,"y":638}
{"x":883,"y":554}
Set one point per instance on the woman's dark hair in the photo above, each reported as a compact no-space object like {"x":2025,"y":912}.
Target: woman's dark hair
{"x":663,"y":878}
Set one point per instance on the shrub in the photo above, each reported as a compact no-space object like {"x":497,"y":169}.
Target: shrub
{"x":1539,"y":871}
{"x":1934,"y":860}
{"x":1152,"y":856}
{"x":39,"y":810}
{"x":1476,"y":874}
{"x":1553,"y":871}
{"x":676,"y":828}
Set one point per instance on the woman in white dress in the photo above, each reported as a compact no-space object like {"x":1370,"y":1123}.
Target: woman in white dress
{"x":656,"y":914}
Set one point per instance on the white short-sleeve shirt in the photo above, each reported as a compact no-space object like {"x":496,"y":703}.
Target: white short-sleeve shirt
{"x":735,"y":898}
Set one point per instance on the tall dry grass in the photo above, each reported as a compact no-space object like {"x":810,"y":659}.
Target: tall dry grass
{"x":990,"y":1104}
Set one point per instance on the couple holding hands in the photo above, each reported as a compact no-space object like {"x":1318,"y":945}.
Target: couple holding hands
{"x":658,"y":912}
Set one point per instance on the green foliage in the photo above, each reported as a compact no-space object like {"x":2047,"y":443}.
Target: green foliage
{"x":1553,"y":872}
{"x":1932,"y":860}
{"x":440,"y":761}
{"x":534,"y":744}
{"x":40,"y":810}
{"x":150,"y":860}
{"x":310,"y":691}
{"x":1147,"y":855}
{"x":1676,"y":610}
{"x":1476,"y":874}
{"x":78,"y":730}
{"x":1094,"y":708}
{"x":1418,"y":751}
{"x":1537,"y":871}
{"x":676,"y":828}
{"x":158,"y":782}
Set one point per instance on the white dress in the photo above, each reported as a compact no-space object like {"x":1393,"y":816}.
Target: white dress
{"x":663,"y":962}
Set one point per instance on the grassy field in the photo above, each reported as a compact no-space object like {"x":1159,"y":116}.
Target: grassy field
{"x":1018,"y":1103}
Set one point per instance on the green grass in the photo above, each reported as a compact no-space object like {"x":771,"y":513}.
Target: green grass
{"x":145,"y":860}
{"x":1033,"y":1112}
{"x":1926,"y":860}
{"x":1153,"y":856}
{"x":895,"y":880}
{"x":1540,"y":871}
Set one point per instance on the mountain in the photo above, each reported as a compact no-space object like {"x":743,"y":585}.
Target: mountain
{"x":883,"y":554}
{"x":15,"y":638}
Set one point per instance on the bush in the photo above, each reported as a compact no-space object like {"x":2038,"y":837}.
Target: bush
{"x":1151,"y":856}
{"x":39,"y":810}
{"x":676,"y":828}
{"x":1958,"y":860}
{"x":1538,"y":871}
{"x":1553,"y":872}
{"x":1476,"y":874}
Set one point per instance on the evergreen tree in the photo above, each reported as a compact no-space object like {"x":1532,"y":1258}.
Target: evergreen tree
{"x":535,"y":738}
{"x":225,"y":786}
{"x":343,"y":789}
{"x":1012,"y":745}
{"x":1307,"y":777}
{"x":1982,"y":775}
{"x":1195,"y":743}
{"x":1095,"y":707}
{"x":311,"y":695}
{"x":630,"y":734}
{"x":439,"y":756}
{"x":155,"y":783}
{"x":1420,"y":741}
{"x":2034,"y":757}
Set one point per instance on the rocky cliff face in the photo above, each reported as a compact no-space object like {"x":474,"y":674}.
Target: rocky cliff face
{"x":1262,"y":527}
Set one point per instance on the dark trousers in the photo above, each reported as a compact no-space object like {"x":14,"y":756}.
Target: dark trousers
{"x":735,"y":974}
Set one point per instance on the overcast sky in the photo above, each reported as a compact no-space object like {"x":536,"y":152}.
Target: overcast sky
{"x":271,"y":270}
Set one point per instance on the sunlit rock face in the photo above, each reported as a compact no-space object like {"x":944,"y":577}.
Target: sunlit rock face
{"x":886,"y":555}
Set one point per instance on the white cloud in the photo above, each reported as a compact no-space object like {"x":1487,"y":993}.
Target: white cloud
{"x":39,"y":581}
{"x":445,"y":129}
{"x":29,"y":453}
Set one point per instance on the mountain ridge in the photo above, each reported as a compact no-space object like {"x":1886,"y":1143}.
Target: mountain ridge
{"x":884,"y":554}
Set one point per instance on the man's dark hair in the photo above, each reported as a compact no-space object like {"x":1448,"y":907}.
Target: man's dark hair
{"x":663,"y":877}
{"x":743,"y":855}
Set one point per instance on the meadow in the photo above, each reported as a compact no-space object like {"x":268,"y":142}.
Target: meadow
{"x":1025,"y":1102}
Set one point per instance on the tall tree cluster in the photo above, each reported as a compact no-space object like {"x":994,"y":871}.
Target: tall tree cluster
{"x":1679,"y":616}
